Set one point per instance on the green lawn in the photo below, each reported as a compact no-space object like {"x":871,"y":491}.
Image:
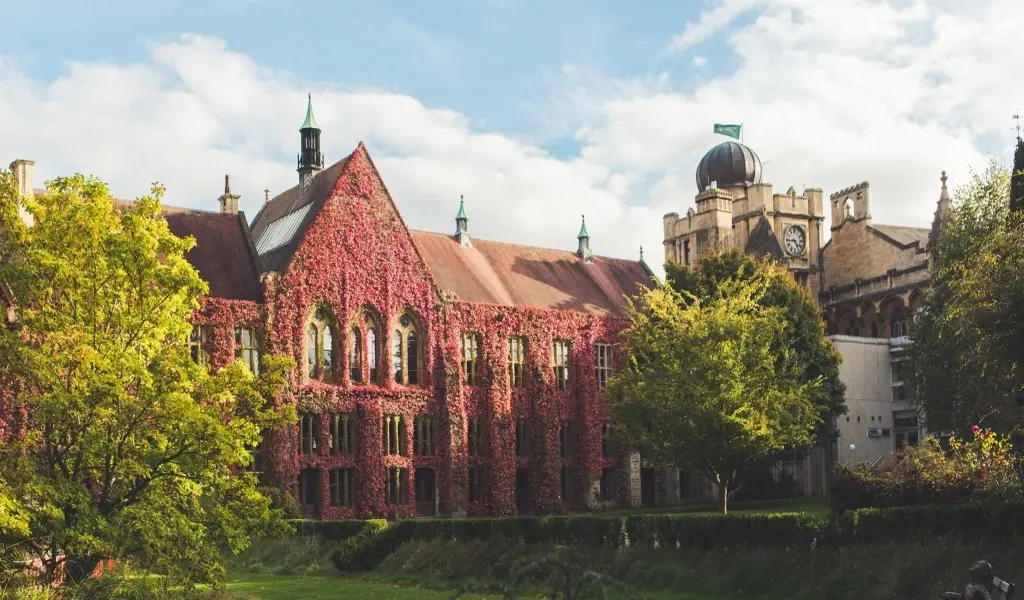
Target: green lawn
{"x":303,"y":587}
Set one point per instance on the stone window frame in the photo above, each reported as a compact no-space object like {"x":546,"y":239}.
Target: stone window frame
{"x":603,"y":366}
{"x":516,"y":361}
{"x":198,"y":340}
{"x":561,"y":351}
{"x":249,"y":347}
{"x":407,"y":350}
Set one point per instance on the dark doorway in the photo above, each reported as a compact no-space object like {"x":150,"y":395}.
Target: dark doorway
{"x":523,"y":500}
{"x":647,"y":488}
{"x":309,"y":493}
{"x":426,"y":493}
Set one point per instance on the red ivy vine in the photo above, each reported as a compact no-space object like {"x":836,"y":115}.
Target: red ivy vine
{"x":357,"y":255}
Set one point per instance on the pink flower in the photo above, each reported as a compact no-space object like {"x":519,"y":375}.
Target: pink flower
{"x":975,"y":430}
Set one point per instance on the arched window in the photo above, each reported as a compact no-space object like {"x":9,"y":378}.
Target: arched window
{"x":372,"y":352}
{"x":405,"y":351}
{"x":396,"y":355}
{"x":327,"y":354}
{"x":320,"y":347}
{"x":897,"y":323}
{"x":364,"y":328}
{"x":312,"y":341}
{"x":355,"y":355}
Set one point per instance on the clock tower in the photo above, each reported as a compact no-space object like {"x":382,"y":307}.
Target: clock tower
{"x":735,"y":210}
{"x":310,"y":159}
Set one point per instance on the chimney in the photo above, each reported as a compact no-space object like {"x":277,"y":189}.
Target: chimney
{"x":24,"y":173}
{"x":229,"y":201}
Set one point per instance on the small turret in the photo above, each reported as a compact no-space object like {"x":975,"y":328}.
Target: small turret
{"x":583,"y":250}
{"x":462,"y":226}
{"x":310,"y":159}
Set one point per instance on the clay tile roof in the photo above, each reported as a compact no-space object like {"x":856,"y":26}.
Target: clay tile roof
{"x":904,"y":235}
{"x":513,"y":275}
{"x":223,"y":254}
{"x":290,"y":202}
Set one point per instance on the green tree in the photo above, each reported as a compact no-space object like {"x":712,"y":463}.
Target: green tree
{"x":969,"y":336}
{"x":707,"y":387}
{"x":129,"y":449}
{"x":813,"y":356}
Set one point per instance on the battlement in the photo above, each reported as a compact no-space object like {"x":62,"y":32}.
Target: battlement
{"x":849,"y":190}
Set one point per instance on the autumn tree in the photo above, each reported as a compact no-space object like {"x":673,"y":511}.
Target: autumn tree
{"x":127,"y":449}
{"x":969,"y":334}
{"x":707,"y":386}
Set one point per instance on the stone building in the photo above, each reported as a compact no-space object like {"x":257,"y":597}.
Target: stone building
{"x":868,"y":278}
{"x":734,"y":209}
{"x":437,"y":374}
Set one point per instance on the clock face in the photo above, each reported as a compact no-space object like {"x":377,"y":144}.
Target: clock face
{"x":795,"y":240}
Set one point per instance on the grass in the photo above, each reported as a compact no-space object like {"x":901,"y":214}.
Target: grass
{"x":266,"y":586}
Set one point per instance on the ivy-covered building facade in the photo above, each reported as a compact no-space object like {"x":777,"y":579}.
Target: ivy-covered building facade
{"x":436,"y":374}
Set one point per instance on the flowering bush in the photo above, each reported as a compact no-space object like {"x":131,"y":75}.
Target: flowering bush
{"x":979,"y":468}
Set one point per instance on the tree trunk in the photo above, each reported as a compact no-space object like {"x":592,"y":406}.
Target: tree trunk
{"x":723,"y":494}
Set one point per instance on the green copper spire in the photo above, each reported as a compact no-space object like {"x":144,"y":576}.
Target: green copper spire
{"x":310,"y":122}
{"x":583,"y":229}
{"x":462,"y":210}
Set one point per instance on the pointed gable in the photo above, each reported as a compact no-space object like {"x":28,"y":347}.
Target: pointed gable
{"x":762,"y":241}
{"x":283,"y":220}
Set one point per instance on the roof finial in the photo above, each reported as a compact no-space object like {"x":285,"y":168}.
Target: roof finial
{"x":227,"y":185}
{"x":583,"y":229}
{"x":310,"y":122}
{"x":266,"y":194}
{"x":943,"y":178}
{"x":1016,"y":117}
{"x":641,"y":253}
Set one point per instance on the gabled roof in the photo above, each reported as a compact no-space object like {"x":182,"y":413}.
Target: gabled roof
{"x":762,"y":241}
{"x":224,"y":254}
{"x":904,"y":236}
{"x":514,"y":275}
{"x":284,"y":219}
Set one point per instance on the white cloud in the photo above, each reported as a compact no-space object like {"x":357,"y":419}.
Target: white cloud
{"x":699,"y":61}
{"x":198,"y":110}
{"x":830,"y":93}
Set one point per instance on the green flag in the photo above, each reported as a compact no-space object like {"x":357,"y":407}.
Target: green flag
{"x":732,"y":131}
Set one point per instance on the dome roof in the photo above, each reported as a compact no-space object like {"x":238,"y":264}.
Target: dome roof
{"x":729,"y":163}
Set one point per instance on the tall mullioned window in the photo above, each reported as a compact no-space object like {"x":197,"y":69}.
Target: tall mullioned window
{"x":405,"y":351}
{"x":343,"y":434}
{"x":561,"y":360}
{"x":247,"y":348}
{"x":197,"y":341}
{"x":470,"y":357}
{"x":516,"y":361}
{"x":602,"y":364}
{"x":320,"y":347}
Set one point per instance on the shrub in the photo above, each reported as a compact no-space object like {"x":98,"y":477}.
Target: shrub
{"x":979,"y":469}
{"x":377,"y":539}
{"x":329,"y":530}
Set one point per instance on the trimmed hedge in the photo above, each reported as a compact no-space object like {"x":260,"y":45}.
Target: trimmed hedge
{"x":364,"y":544}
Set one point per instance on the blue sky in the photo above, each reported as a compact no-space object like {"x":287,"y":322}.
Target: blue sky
{"x":536,"y":111}
{"x":494,"y":61}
